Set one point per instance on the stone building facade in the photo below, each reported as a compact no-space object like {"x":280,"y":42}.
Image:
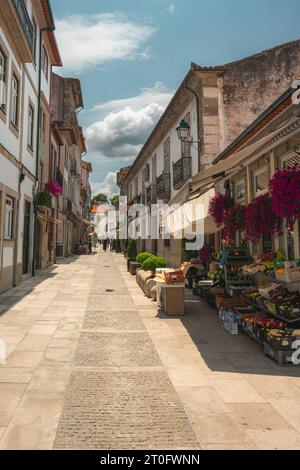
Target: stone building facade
{"x":28,"y":50}
{"x":66,"y":102}
{"x":218,"y":103}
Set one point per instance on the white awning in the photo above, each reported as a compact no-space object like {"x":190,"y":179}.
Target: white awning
{"x":192,"y":215}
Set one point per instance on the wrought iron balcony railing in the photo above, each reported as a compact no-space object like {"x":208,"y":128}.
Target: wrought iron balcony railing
{"x":182,"y":172}
{"x":59,"y":177}
{"x":163,"y":186}
{"x":151,"y":194}
{"x":24,"y":18}
{"x":74,"y":167}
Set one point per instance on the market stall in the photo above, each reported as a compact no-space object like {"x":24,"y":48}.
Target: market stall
{"x":260,"y":298}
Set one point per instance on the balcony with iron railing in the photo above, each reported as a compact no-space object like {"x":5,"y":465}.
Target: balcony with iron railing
{"x":74,"y":167}
{"x":15,"y":11}
{"x":59,"y":177}
{"x":163,"y":186}
{"x":182,"y":172}
{"x":151,"y":194}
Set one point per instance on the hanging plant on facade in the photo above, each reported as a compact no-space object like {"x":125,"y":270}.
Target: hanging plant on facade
{"x":54,"y":188}
{"x":218,"y":207}
{"x":285,"y":191}
{"x":234,"y":221}
{"x":260,"y":220}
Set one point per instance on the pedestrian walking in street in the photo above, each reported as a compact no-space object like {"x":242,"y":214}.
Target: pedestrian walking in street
{"x":104,"y":245}
{"x":95,"y":241}
{"x":90,"y":243}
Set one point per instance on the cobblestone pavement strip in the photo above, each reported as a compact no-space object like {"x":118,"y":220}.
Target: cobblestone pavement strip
{"x":116,"y":320}
{"x":92,"y":365}
{"x":120,"y":410}
{"x":138,"y":410}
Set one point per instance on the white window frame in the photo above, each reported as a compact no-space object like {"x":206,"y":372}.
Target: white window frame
{"x":238,"y":199}
{"x":3,"y":73}
{"x":30,"y":136}
{"x":9,"y":218}
{"x":256,"y":173}
{"x":15,"y":90}
{"x":45,"y":62}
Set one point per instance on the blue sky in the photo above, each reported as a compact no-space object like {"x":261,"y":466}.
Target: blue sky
{"x":132,"y":54}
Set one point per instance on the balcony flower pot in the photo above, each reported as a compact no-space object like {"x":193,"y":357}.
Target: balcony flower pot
{"x":45,"y":200}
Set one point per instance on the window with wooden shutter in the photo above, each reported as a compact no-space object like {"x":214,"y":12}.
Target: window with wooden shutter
{"x":290,"y":160}
{"x":240,"y":191}
{"x":261,"y":180}
{"x":167,"y":156}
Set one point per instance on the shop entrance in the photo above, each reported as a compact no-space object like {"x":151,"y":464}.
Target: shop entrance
{"x":26,"y":237}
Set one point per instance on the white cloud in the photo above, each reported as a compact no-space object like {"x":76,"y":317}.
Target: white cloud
{"x":123,"y":130}
{"x":172,"y":8}
{"x":158,"y":94}
{"x":88,"y":40}
{"x":108,"y":186}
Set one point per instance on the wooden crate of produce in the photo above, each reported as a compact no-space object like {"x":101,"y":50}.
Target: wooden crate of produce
{"x":230,"y":302}
{"x":217,"y":291}
{"x":281,"y":357}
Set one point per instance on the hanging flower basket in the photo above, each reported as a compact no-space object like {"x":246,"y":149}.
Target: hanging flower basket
{"x":285,"y":191}
{"x":234,"y":220}
{"x":205,"y":254}
{"x":54,"y":188}
{"x":260,"y":219}
{"x":218,"y":207}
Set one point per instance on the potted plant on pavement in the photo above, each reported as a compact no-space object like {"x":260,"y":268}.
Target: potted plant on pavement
{"x":131,"y":253}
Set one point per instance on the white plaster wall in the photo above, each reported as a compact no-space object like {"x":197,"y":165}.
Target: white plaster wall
{"x":175,"y":148}
{"x":8,"y":256}
{"x":28,"y":160}
{"x":7,"y":138}
{"x":9,"y":174}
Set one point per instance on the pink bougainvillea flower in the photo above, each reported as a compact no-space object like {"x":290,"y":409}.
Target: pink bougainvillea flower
{"x":218,"y":206}
{"x":285,"y":193}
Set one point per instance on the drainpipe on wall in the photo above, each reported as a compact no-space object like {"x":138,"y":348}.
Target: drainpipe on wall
{"x":198,"y":123}
{"x":42,"y":30}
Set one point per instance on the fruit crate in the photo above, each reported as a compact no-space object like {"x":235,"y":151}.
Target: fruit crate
{"x":280,"y":356}
{"x":289,"y":275}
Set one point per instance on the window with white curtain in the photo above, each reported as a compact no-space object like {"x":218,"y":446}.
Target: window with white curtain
{"x":2,"y":81}
{"x":9,"y":218}
{"x":30,"y":126}
{"x":14,"y":101}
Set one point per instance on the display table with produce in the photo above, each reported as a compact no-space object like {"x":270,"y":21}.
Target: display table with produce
{"x":258,"y":299}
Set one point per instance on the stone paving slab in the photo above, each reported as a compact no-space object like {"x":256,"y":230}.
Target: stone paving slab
{"x":123,"y":411}
{"x":110,"y":302}
{"x":116,"y":349}
{"x":118,"y":320}
{"x":232,"y":396}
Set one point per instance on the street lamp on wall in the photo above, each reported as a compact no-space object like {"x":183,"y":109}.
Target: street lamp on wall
{"x":184,"y":131}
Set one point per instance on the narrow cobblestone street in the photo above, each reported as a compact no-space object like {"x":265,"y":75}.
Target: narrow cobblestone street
{"x":91,"y":366}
